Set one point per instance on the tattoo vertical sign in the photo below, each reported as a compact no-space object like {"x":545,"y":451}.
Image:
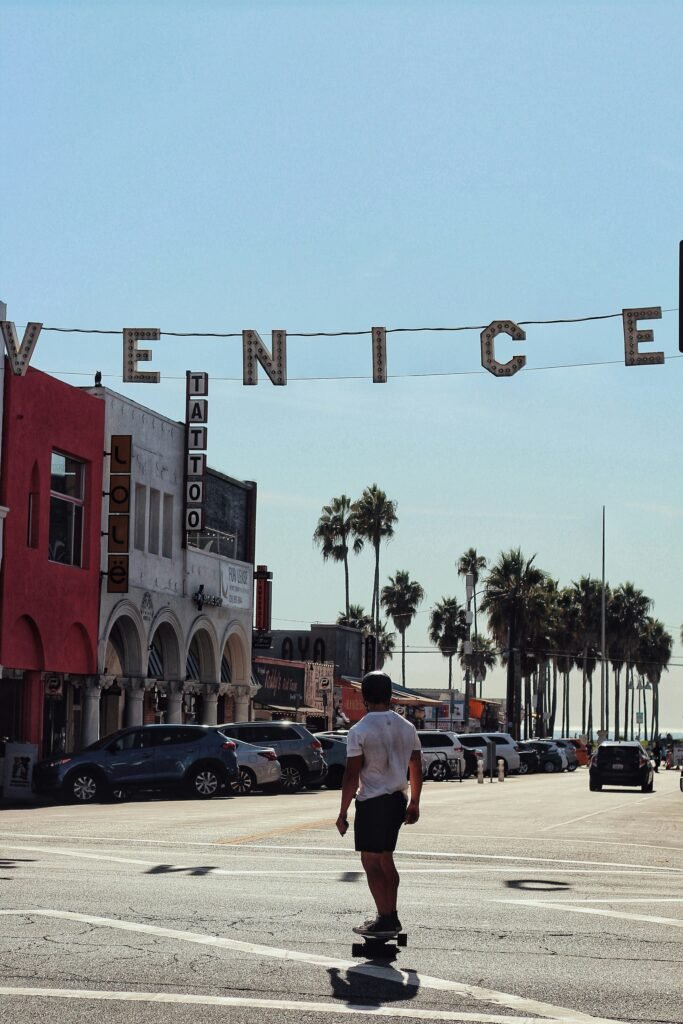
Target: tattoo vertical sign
{"x":196,"y":419}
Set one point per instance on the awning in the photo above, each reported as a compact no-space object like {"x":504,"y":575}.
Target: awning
{"x":405,"y":698}
{"x":289,"y":708}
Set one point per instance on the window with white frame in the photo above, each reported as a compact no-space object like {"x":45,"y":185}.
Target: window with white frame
{"x":67,"y":478}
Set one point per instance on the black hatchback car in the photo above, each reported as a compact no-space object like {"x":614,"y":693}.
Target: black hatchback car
{"x":621,"y":763}
{"x":196,"y":758}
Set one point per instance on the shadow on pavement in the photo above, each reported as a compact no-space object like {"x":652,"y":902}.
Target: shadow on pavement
{"x":358,"y":988}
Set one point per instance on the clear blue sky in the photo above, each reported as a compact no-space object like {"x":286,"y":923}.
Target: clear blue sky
{"x":331,"y":166}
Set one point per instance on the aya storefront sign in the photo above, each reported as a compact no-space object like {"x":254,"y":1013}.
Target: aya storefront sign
{"x":273,"y":361}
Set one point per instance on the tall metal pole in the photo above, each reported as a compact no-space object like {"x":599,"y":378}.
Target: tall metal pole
{"x":603,"y":640}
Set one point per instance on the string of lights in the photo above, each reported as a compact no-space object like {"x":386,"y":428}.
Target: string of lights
{"x":343,"y":334}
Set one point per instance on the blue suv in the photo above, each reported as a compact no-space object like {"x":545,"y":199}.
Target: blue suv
{"x":197,"y":758}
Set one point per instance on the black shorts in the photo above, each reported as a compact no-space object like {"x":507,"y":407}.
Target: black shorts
{"x":378,"y":821}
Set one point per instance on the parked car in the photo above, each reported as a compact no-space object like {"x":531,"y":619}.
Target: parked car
{"x":582,"y":754}
{"x":197,"y":758}
{"x":551,"y":757}
{"x":334,"y":752}
{"x":621,"y":763}
{"x":570,"y":751}
{"x":506,"y":747}
{"x":529,"y":760}
{"x":438,"y":766}
{"x":257,"y":768}
{"x":450,"y":762}
{"x":299,"y":752}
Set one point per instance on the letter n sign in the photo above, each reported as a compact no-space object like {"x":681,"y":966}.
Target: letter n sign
{"x":196,"y":418}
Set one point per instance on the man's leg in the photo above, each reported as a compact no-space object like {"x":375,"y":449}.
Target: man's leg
{"x":383,"y":880}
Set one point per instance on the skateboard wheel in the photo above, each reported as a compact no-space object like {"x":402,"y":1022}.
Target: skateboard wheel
{"x":357,"y":949}
{"x":402,"y":939}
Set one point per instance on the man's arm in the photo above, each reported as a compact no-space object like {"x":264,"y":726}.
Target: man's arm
{"x":348,"y":790}
{"x":415,"y":773}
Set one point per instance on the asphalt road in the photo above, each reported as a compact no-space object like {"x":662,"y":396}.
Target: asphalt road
{"x":533,"y":899}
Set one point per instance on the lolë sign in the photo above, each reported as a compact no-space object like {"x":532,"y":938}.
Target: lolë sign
{"x":196,"y":418}
{"x":118,"y":532}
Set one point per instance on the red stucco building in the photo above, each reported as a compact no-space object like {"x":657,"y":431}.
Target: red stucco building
{"x":51,"y":486}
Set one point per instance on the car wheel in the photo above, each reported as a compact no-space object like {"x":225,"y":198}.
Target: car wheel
{"x":119,"y":794}
{"x":595,"y":787}
{"x":438,"y":771}
{"x":292,"y":778}
{"x":523,"y":768}
{"x":84,"y":786}
{"x":548,"y":766}
{"x":203,"y":782}
{"x":572,"y":767}
{"x":245,"y":782}
{"x":334,"y":777}
{"x":647,"y":787}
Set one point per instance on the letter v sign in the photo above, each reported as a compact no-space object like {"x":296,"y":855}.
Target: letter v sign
{"x":20,"y":356}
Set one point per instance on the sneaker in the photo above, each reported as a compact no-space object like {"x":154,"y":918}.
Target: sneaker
{"x":380,"y":926}
{"x":395,"y":923}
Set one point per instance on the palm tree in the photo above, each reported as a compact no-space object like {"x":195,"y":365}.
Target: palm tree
{"x":471,"y":562}
{"x":476,"y":664}
{"x":630,"y":607}
{"x":447,"y":629}
{"x":356,"y":618}
{"x":514,"y":599}
{"x":564,"y":644}
{"x":333,"y":534}
{"x":588,"y":599}
{"x":400,"y":598}
{"x":373,"y":519}
{"x":653,"y":655}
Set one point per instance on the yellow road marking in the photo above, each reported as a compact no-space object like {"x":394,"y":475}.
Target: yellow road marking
{"x":286,"y":830}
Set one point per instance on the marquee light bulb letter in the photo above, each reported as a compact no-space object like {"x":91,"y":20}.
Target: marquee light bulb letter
{"x":488,"y":350}
{"x":255,"y":352}
{"x":633,"y":336}
{"x":20,"y":355}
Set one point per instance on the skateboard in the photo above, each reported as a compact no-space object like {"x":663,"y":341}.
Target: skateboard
{"x":377,"y":946}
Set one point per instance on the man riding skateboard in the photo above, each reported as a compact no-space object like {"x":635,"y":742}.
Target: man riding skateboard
{"x":382,"y":751}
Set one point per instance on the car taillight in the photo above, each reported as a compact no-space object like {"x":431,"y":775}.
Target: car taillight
{"x":317,"y":745}
{"x":269,"y":755}
{"x":229,"y":745}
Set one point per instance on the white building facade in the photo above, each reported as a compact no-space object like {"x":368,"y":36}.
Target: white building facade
{"x":175,"y":645}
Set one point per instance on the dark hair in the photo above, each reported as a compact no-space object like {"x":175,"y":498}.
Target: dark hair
{"x":376,"y":688}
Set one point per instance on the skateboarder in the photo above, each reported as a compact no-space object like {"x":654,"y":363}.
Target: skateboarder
{"x":382,"y":751}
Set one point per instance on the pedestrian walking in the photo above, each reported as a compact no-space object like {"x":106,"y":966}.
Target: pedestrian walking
{"x":383,"y":752}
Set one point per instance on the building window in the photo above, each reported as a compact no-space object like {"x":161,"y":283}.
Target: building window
{"x":140,"y":515}
{"x":167,"y":535}
{"x":154,"y":515}
{"x":66,"y":510}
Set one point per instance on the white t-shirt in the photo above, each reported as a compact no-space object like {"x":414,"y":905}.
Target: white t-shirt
{"x":386,"y":742}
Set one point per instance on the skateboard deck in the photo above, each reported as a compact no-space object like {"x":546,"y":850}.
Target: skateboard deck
{"x":378,"y":946}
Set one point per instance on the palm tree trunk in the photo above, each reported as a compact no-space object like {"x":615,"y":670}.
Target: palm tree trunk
{"x":589,"y":724}
{"x":553,"y":701}
{"x":617,"y":680}
{"x":346,"y":583}
{"x":607,"y":697}
{"x":645,"y":736}
{"x":626,"y":692}
{"x":403,"y":657}
{"x":376,"y":597}
{"x":583,"y":693}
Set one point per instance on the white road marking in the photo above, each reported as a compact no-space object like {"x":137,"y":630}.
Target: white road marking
{"x":409,"y":979}
{"x":510,"y":857}
{"x":571,"y":821}
{"x":622,"y":915}
{"x":278,"y":1004}
{"x":324,"y":831}
{"x":295,"y":872}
